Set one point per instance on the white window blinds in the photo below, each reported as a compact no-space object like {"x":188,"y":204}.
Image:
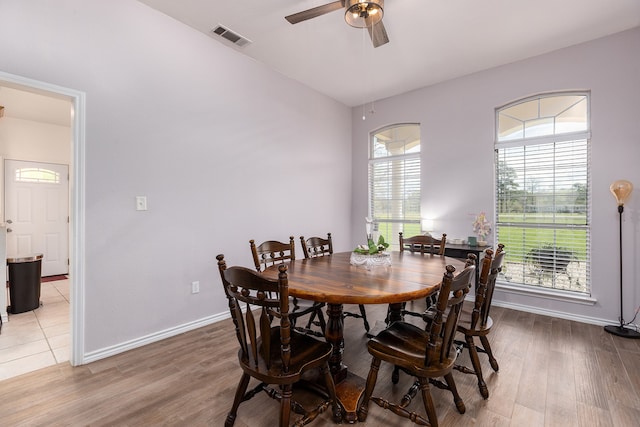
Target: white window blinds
{"x":394,"y":180}
{"x":542,"y":193}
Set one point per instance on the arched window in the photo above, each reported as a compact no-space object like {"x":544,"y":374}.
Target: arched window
{"x":394,"y":180}
{"x":542,"y":191}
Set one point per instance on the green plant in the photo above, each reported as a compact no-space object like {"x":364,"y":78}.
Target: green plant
{"x":372,"y":248}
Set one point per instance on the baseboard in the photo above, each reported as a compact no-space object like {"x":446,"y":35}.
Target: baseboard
{"x":552,"y":313}
{"x":149,"y":339}
{"x":168,"y":333}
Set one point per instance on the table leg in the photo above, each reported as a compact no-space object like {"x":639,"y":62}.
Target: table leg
{"x":349,"y":387}
{"x":334,"y":334}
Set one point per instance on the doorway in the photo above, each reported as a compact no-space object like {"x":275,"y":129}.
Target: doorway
{"x":36,"y":201}
{"x":75,"y":233}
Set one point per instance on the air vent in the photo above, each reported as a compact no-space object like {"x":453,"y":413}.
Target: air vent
{"x":231,"y":36}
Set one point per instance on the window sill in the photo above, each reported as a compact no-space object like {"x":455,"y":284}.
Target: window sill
{"x":552,"y":294}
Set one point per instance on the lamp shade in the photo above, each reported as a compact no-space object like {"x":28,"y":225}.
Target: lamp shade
{"x":426,"y":224}
{"x":363,"y":13}
{"x":621,"y":190}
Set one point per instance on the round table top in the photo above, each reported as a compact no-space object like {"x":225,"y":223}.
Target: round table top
{"x":332,"y":279}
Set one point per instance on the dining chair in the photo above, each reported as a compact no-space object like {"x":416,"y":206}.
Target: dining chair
{"x":424,"y":354}
{"x":423,"y":244}
{"x":318,"y":246}
{"x":429,"y":314}
{"x":476,"y":322}
{"x":276,"y":356}
{"x":274,"y":252}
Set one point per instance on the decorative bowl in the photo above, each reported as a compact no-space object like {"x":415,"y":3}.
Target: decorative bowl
{"x":381,"y":259}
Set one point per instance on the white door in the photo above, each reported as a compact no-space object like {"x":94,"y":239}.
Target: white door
{"x":37,"y":213}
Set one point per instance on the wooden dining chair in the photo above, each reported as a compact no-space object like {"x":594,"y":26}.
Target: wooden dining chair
{"x":273,"y":355}
{"x":424,"y":354}
{"x":274,"y":252}
{"x":476,"y":322}
{"x":429,"y":314}
{"x":318,"y":246}
{"x":422,"y":244}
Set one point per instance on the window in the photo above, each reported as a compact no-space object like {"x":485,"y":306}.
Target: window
{"x":37,"y":175}
{"x":394,"y":180}
{"x":542,"y":191}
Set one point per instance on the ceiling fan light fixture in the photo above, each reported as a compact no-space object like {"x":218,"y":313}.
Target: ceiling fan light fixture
{"x":363,"y":13}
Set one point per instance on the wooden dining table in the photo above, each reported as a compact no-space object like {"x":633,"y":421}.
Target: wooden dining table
{"x":334,"y":281}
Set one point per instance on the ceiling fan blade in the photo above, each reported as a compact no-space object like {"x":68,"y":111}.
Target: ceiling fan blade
{"x":378,"y":34}
{"x":314,"y":12}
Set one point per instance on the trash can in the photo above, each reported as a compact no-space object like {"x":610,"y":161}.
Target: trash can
{"x":24,"y":283}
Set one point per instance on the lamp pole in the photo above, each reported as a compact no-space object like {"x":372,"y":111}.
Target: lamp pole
{"x":621,"y":190}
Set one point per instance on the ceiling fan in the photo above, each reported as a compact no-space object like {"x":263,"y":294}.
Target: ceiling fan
{"x":358,"y":13}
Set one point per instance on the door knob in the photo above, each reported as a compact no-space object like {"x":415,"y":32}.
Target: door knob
{"x":9,"y":230}
{"x":9,"y":221}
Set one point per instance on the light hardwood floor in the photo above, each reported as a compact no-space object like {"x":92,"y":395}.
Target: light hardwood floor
{"x":553,"y":372}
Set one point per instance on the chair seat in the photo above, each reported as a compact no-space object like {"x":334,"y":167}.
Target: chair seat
{"x":307,"y":353}
{"x":404,"y":344}
{"x":464,"y":324}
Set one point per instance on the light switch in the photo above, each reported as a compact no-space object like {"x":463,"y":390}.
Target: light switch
{"x":141,"y":203}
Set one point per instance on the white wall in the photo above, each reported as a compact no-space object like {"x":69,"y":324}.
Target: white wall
{"x":457,"y":129}
{"x":225,"y":150}
{"x":34,"y":141}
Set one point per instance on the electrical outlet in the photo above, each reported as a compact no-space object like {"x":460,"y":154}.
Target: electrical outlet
{"x":195,"y":287}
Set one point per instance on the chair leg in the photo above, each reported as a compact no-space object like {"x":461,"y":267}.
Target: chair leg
{"x":321,"y":321}
{"x":312,"y":317}
{"x":363,"y":411}
{"x":487,"y":349}
{"x":363,"y":313}
{"x":240,"y":391}
{"x":285,"y":405}
{"x":331,"y":387}
{"x":477,"y":367}
{"x":307,"y":329}
{"x":395,"y":375}
{"x":454,"y":390}
{"x":429,"y":407}
{"x":432,"y":300}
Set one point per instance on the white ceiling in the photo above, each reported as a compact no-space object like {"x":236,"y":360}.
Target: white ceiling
{"x":430,"y":40}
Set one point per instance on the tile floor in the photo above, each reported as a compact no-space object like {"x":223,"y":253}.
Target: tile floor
{"x":38,"y":338}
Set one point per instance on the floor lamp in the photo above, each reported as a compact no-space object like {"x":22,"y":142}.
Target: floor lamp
{"x":621,"y":189}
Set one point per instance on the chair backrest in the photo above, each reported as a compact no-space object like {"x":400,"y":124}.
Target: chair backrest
{"x":445,"y":322}
{"x":425,"y":244}
{"x":245,"y":287}
{"x":496,"y":268}
{"x":481,"y":287}
{"x":272,"y":252}
{"x":316,"y":246}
